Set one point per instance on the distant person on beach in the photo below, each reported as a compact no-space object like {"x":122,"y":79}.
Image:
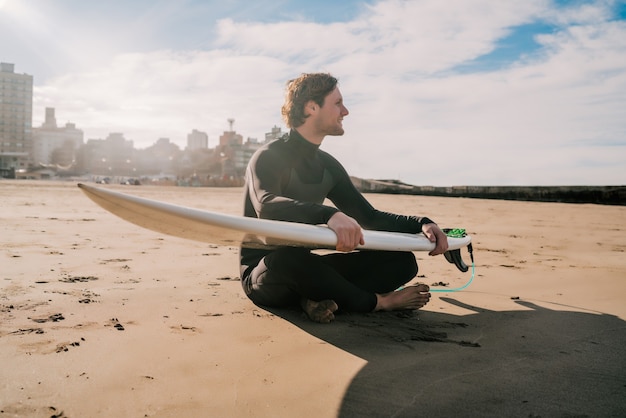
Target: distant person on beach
{"x":288,"y":180}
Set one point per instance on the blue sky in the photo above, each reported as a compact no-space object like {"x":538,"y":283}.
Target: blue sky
{"x":467,"y":92}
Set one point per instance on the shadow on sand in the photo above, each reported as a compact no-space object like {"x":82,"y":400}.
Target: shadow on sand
{"x":534,"y":362}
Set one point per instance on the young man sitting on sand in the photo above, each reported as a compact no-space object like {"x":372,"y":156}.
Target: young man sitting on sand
{"x":288,"y":180}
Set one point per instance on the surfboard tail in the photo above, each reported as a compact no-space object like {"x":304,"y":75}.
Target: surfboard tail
{"x":454,"y":256}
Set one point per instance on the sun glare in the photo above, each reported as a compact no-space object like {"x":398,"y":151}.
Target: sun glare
{"x":12,"y":6}
{"x":5,"y":5}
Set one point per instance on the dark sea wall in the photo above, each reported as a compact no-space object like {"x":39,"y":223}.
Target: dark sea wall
{"x":602,"y":195}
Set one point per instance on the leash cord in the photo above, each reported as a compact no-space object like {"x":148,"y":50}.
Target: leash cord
{"x":457,"y":289}
{"x":459,"y":233}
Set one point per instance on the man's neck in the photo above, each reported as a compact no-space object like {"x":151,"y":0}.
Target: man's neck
{"x":309,"y":135}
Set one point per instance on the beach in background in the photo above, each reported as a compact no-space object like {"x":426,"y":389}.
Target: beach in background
{"x":101,"y":318}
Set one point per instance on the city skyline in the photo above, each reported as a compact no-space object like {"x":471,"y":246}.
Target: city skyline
{"x":462,"y":93}
{"x":182,"y":144}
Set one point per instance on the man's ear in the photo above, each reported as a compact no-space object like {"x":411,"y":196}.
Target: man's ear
{"x":310,"y":107}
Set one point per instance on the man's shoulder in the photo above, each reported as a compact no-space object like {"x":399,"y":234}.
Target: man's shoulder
{"x":274,"y":146}
{"x":270,"y":152}
{"x":328,"y":157}
{"x":278,"y":142}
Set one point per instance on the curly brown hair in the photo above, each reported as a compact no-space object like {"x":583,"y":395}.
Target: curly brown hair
{"x":313,"y":86}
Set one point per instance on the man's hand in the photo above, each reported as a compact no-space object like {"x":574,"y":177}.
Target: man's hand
{"x":348,"y":231}
{"x":436,"y":235}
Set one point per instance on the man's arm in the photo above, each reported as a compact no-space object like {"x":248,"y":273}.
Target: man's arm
{"x":348,"y":231}
{"x":350,"y":235}
{"x":354,"y":205}
{"x":265,"y":194}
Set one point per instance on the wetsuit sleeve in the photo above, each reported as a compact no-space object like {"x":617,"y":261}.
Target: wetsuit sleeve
{"x":350,"y":201}
{"x":265,"y":189}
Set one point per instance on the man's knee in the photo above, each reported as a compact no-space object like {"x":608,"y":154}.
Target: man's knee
{"x":408,"y":263}
{"x":287,"y":257}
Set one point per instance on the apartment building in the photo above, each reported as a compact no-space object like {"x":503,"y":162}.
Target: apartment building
{"x":16,"y":118}
{"x":55,"y":145}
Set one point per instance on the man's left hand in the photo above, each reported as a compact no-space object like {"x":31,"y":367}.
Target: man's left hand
{"x":436,"y":235}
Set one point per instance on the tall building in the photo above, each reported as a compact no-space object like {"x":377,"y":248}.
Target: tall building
{"x":55,"y":145}
{"x":111,"y":156}
{"x":16,"y":120}
{"x":229,"y":150}
{"x":197,"y":140}
{"x":274,"y":134}
{"x":230,"y":138}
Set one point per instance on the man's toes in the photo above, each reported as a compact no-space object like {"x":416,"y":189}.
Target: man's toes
{"x":322,"y":311}
{"x":323,"y":316}
{"x":330,"y":305}
{"x":422,"y":287}
{"x":327,"y":317}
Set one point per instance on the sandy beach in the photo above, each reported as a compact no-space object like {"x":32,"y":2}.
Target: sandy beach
{"x":101,"y":318}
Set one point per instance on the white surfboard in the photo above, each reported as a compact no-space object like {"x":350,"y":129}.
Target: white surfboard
{"x":231,"y":230}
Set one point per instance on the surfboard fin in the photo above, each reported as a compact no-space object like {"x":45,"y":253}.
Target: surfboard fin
{"x":454,"y":256}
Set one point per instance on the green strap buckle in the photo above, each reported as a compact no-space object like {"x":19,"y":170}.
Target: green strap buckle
{"x":455,"y":232}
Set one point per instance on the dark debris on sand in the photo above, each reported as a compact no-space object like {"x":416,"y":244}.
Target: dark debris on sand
{"x":78,"y":279}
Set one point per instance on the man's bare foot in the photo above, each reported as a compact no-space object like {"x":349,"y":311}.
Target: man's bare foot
{"x":411,"y":297}
{"x":322,"y":311}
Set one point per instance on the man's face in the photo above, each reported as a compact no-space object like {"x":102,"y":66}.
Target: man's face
{"x":329,"y":117}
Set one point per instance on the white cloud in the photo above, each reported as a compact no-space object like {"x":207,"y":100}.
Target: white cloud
{"x":425,"y":36}
{"x":167,"y":94}
{"x":413,"y":116}
{"x":580,"y":13}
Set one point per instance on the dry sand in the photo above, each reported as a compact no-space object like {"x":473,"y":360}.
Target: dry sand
{"x":100,"y":318}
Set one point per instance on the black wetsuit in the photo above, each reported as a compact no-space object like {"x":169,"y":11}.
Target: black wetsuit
{"x":288,"y":179}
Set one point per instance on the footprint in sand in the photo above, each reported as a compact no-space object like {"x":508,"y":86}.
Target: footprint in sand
{"x":24,"y":331}
{"x":77,"y":279}
{"x":184,"y":328}
{"x":63,"y":347}
{"x":115,"y":323}
{"x":51,"y":318}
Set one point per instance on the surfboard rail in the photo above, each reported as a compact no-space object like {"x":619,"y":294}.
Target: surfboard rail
{"x":225,"y":229}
